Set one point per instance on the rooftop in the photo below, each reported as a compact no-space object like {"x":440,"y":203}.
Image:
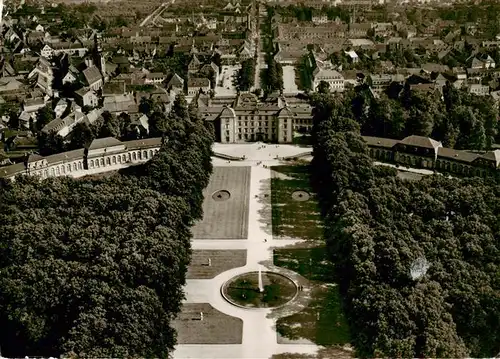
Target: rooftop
{"x":104,"y":142}
{"x":420,"y":141}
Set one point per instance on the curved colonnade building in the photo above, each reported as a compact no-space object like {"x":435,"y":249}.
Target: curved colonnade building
{"x":103,"y":155}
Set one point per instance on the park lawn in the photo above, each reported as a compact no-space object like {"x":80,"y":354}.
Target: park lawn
{"x":291,"y":218}
{"x":331,"y":328}
{"x":215,"y":328}
{"x":220,"y":261}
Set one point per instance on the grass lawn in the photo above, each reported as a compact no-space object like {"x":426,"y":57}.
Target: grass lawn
{"x":291,"y":218}
{"x":244,"y":290}
{"x":215,"y":328}
{"x":220,"y":261}
{"x":322,"y":321}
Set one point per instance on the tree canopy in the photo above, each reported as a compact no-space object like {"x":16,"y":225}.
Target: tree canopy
{"x":377,"y":226}
{"x":462,"y":120}
{"x":95,"y":267}
{"x":246,"y":75}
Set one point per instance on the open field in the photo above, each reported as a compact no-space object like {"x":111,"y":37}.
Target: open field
{"x":215,"y":328}
{"x":220,"y":260}
{"x":294,"y":218}
{"x":226,"y":219}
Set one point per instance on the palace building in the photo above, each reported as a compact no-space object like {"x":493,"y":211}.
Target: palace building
{"x":246,"y":119}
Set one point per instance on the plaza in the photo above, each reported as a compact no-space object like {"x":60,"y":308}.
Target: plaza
{"x":257,"y":335}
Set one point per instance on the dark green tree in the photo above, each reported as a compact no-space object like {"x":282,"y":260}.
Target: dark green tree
{"x":110,"y":127}
{"x":50,"y":143}
{"x":81,"y":136}
{"x":323,"y":87}
{"x":43,"y":116}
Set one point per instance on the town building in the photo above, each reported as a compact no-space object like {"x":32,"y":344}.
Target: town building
{"x":327,"y":74}
{"x":43,"y":74}
{"x":196,"y":85}
{"x":154,"y":78}
{"x":93,"y":78}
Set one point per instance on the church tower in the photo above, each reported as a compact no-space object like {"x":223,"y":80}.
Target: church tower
{"x":99,"y":59}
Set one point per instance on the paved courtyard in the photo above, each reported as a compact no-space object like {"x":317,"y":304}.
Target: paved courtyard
{"x":257,"y":152}
{"x":258,"y":331}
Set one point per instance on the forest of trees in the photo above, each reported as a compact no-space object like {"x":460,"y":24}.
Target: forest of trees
{"x":246,"y":75}
{"x":273,"y":75}
{"x":461,"y":121}
{"x":95,"y":267}
{"x":418,"y":262}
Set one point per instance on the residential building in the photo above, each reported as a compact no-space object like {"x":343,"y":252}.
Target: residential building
{"x":120,"y":103}
{"x":71,"y":76}
{"x":32,"y":105}
{"x":9,"y":84}
{"x":352,"y":56}
{"x":47,"y":52}
{"x":154,"y":78}
{"x":61,"y":107}
{"x":379,"y":82}
{"x":44,"y":75}
{"x":319,"y":18}
{"x":210,"y":69}
{"x":176,"y":83}
{"x":86,"y":96}
{"x":485,"y":62}
{"x":93,"y":78}
{"x":196,"y":85}
{"x":359,"y":29}
{"x":478,"y":89}
{"x":63,"y":126}
{"x":194,"y":65}
{"x":330,"y":76}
